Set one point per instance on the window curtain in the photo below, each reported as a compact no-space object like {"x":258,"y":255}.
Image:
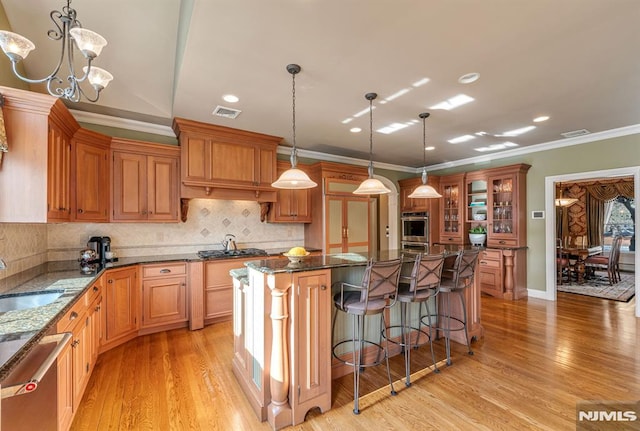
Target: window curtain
{"x":599,"y":200}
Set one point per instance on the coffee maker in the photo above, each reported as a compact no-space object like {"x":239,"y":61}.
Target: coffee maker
{"x":101,"y":245}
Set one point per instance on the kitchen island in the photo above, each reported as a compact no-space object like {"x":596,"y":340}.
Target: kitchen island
{"x":282,"y":329}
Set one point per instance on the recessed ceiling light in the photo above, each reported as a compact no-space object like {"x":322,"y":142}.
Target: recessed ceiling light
{"x":361,"y":113}
{"x":355,"y":130}
{"x":496,"y":147}
{"x":429,"y":148}
{"x":541,"y":119}
{"x":453,"y":102}
{"x":347,"y":120}
{"x":420,"y":82}
{"x":459,"y":139}
{"x":517,"y":132}
{"x":469,"y":78}
{"x":394,"y":127}
{"x":481,"y":133}
{"x":397,"y":94}
{"x":230,"y":98}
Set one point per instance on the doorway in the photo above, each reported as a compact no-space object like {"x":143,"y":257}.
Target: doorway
{"x":550,"y":225}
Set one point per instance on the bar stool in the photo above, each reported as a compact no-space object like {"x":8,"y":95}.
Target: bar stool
{"x":376,"y":293}
{"x":418,"y":288}
{"x":461,"y":278}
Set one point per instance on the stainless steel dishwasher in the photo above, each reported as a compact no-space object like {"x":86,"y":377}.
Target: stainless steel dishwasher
{"x":30,"y":392}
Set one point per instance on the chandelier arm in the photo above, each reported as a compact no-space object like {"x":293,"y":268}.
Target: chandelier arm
{"x":81,"y":91}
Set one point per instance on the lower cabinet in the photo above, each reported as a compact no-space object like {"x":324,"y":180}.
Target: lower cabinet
{"x":502,"y":272}
{"x":164,"y":295}
{"x":121,"y":299}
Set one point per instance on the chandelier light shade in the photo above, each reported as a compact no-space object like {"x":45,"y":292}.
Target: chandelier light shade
{"x":294,"y":178}
{"x":71,"y":35}
{"x":424,"y":191}
{"x":371,"y":186}
{"x":562,"y":201}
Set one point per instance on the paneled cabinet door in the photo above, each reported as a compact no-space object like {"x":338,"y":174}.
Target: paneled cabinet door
{"x":59,"y":172}
{"x":347,"y":224}
{"x":291,"y":206}
{"x":81,"y":346}
{"x":162,"y":188}
{"x":164,"y":301}
{"x":92,"y":182}
{"x":452,"y":216}
{"x":65,"y":387}
{"x":311,"y":350}
{"x":129,"y":186}
{"x":121,"y":305}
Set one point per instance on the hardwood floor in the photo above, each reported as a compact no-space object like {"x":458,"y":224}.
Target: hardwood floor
{"x":536,"y":361}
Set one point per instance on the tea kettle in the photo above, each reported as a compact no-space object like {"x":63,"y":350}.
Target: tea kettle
{"x":229,"y":243}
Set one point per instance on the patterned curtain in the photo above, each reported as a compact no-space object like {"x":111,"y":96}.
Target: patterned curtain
{"x":597,"y":195}
{"x":608,"y":192}
{"x":595,"y":220}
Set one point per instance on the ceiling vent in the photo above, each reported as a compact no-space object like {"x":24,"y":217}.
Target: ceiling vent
{"x":575,"y":133}
{"x":222,"y":111}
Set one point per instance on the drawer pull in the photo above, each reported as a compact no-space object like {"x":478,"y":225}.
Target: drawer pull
{"x":73,"y":315}
{"x":502,"y":242}
{"x":95,"y":288}
{"x":165,"y":271}
{"x":323,"y":287}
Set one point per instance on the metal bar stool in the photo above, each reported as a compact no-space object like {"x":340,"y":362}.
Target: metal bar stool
{"x":418,"y":288}
{"x":461,"y":278}
{"x":376,"y":293}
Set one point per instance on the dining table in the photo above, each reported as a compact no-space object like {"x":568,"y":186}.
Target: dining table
{"x":581,"y":253}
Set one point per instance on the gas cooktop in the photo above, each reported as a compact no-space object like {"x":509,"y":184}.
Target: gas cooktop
{"x":219,"y":254}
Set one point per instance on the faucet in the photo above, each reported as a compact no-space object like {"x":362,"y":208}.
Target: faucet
{"x":229,"y":243}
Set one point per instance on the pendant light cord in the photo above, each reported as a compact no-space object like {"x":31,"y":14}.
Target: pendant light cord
{"x":370,"y":97}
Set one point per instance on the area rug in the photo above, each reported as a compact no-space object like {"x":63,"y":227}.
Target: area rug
{"x":600,"y":288}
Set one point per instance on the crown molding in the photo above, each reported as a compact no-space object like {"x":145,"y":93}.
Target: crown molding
{"x":141,"y":126}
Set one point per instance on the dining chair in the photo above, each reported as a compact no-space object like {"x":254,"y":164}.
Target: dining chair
{"x":421,"y":288}
{"x":608,"y":263}
{"x":563,"y":263}
{"x":376,"y":293}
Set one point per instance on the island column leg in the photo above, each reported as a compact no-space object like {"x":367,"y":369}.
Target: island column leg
{"x":508,"y":275}
{"x":279,"y":413}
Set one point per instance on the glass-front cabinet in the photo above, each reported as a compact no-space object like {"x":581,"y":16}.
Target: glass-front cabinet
{"x":452,"y":215}
{"x":507,"y":206}
{"x":477,"y":200}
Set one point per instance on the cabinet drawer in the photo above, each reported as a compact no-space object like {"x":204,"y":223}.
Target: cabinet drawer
{"x":503,"y":242}
{"x":164,"y":270}
{"x":491,"y":254}
{"x":488,"y":263}
{"x":93,"y":292}
{"x":66,"y":323}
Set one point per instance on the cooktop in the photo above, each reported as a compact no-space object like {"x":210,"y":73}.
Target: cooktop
{"x":213,"y":254}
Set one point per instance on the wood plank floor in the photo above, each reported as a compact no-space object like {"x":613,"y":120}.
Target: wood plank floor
{"x":535,"y":362}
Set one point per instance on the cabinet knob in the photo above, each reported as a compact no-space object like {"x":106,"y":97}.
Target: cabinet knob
{"x":144,"y":212}
{"x":80,"y":210}
{"x":323,"y":287}
{"x":73,"y":315}
{"x":110,"y":281}
{"x":95,"y":288}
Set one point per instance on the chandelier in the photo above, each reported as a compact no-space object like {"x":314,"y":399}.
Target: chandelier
{"x":371,"y":186}
{"x":294,"y":178}
{"x":71,"y":35}
{"x":424,"y":191}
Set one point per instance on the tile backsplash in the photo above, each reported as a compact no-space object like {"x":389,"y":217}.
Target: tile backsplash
{"x":23,"y":246}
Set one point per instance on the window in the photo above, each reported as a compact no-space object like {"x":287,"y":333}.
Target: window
{"x":619,"y":220}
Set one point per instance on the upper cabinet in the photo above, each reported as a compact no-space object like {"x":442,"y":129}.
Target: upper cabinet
{"x":507,"y":206}
{"x":90,"y":177}
{"x":408,"y":204}
{"x":36,"y":172}
{"x":291,"y":206}
{"x":221,"y":162}
{"x":452,"y":213}
{"x":145,"y":181}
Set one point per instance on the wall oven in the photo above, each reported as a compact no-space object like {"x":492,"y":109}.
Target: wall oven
{"x":415,"y":229}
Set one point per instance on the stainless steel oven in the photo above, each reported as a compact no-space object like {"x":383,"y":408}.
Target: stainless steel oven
{"x":415,"y":228}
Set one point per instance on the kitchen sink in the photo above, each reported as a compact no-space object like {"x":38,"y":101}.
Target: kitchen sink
{"x":22,"y":301}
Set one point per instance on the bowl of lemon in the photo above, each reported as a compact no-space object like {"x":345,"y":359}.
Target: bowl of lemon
{"x":296,"y":254}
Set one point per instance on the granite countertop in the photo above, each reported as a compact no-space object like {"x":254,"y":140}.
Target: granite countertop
{"x":21,"y":330}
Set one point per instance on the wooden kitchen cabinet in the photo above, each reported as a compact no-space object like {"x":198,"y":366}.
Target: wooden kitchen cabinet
{"x":340,"y":219}
{"x":35,"y":174}
{"x":121,"y":298}
{"x":507,"y":215}
{"x":65,"y":387}
{"x":291,"y":206}
{"x":91,"y":177}
{"x":407,"y":204}
{"x":164,"y":296}
{"x":452,"y":227}
{"x":145,"y":181}
{"x":221,"y":162}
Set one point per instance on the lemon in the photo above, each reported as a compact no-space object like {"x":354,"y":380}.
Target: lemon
{"x":297,"y":251}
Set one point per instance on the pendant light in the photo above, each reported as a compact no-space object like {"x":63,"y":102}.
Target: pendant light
{"x":294,"y":178}
{"x":562,"y":201}
{"x":424,"y":191}
{"x":371,"y":186}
